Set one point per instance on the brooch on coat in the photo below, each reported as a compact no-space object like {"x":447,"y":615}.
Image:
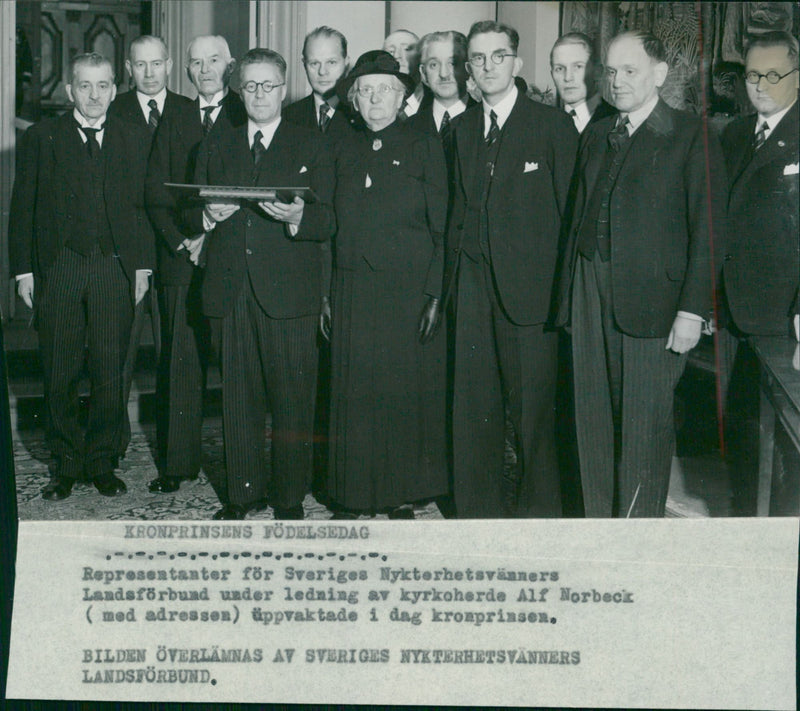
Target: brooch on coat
{"x":377,"y":144}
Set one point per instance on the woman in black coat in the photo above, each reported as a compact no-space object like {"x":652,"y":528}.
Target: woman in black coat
{"x":387,"y":436}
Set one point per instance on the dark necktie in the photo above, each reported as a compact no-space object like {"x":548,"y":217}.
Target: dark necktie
{"x":152,"y":120}
{"x":402,"y":115}
{"x":92,"y":144}
{"x":494,"y":129}
{"x":574,"y":116}
{"x":208,"y":122}
{"x":619,"y":135}
{"x":257,"y":149}
{"x":761,"y":135}
{"x":445,"y":127}
{"x":324,"y":116}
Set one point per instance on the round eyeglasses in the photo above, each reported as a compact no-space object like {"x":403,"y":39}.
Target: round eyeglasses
{"x":498,"y":57}
{"x":771,"y":77}
{"x":251,"y":87}
{"x":381,"y":90}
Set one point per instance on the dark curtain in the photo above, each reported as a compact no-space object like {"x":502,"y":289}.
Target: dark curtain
{"x":704,"y":41}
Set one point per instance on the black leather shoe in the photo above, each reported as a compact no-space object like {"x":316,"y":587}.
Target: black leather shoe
{"x":109,"y":485}
{"x":230,"y":512}
{"x":164,"y":484}
{"x":289,"y":513}
{"x":58,"y":488}
{"x":401,"y":512}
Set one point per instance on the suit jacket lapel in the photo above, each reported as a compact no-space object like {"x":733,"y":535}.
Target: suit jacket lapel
{"x":785,"y":132}
{"x":467,"y":137}
{"x":70,"y":152}
{"x":508,"y":152}
{"x":237,"y":160}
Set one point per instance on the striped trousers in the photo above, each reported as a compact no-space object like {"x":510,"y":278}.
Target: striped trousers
{"x":624,"y":392}
{"x":84,"y":305}
{"x":268,"y":365}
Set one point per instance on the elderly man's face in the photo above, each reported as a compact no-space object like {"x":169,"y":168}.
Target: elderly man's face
{"x":92,"y":90}
{"x":325,"y":64}
{"x":148,"y":66}
{"x":769,"y":99}
{"x":634,"y":76}
{"x":262,"y":106}
{"x":403,"y":47}
{"x":208,"y":65}
{"x":568,"y":70}
{"x":442,"y":71}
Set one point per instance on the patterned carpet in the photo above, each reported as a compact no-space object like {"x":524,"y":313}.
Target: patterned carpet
{"x":194,"y":500}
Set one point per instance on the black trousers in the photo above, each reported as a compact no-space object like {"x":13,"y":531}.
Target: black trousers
{"x":496,"y":363}
{"x":181,"y":379}
{"x":84,"y":304}
{"x":268,"y":365}
{"x":624,"y":392}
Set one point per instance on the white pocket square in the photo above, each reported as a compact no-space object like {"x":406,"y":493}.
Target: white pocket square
{"x":791,"y":169}
{"x":304,"y":170}
{"x":395,"y":162}
{"x":368,"y":182}
{"x":530,"y":167}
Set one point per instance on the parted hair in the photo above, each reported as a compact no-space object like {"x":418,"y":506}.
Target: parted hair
{"x":325,"y":31}
{"x":775,"y":38}
{"x":484,"y":26}
{"x":89,"y":59}
{"x":260,"y":55}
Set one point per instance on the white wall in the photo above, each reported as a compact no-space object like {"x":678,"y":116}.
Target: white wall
{"x":361,"y":22}
{"x":537,"y":24}
{"x":424,"y":17}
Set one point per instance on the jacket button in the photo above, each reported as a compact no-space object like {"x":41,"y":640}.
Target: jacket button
{"x":248,"y":251}
{"x":728,"y":257}
{"x":456,"y":249}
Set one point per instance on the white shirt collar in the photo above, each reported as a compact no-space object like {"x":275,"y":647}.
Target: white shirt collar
{"x":438,"y":111}
{"x":773,"y":120}
{"x":502,"y":109}
{"x":332,"y":103}
{"x":638,"y":117}
{"x":582,"y":115}
{"x":144,"y":99}
{"x":411,"y":105}
{"x":101,"y":124}
{"x":215,"y":101}
{"x":267,"y":132}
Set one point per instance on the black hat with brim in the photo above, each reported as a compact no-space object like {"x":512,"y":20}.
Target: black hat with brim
{"x":376,"y":61}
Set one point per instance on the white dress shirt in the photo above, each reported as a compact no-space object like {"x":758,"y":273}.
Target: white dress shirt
{"x":215,"y":101}
{"x":143,"y":99}
{"x":584,"y":110}
{"x":438,"y":111}
{"x":772,"y":121}
{"x":502,"y":110}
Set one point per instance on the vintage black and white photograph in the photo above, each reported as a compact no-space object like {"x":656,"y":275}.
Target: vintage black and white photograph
{"x":358,"y":260}
{"x":494,"y":304}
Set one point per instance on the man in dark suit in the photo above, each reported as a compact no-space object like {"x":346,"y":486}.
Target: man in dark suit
{"x":761,"y":269}
{"x":511,"y":187}
{"x":325,"y":60}
{"x":148,"y":66}
{"x":79,"y":233}
{"x":442,"y":68}
{"x":638,"y":278}
{"x":184,"y":331}
{"x":262,"y":289}
{"x":575,"y":69}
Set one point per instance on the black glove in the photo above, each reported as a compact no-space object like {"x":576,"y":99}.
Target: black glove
{"x":429,"y":319}
{"x":325,"y":319}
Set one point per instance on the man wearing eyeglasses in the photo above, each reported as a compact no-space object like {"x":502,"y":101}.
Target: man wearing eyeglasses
{"x":514,"y":160}
{"x":184,"y":332}
{"x":325,"y":60}
{"x":637,"y":278}
{"x":262,"y":289}
{"x":762,"y":258}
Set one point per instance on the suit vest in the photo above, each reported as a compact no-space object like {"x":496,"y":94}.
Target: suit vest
{"x":595,"y":233}
{"x":476,"y":219}
{"x":93,"y":228}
